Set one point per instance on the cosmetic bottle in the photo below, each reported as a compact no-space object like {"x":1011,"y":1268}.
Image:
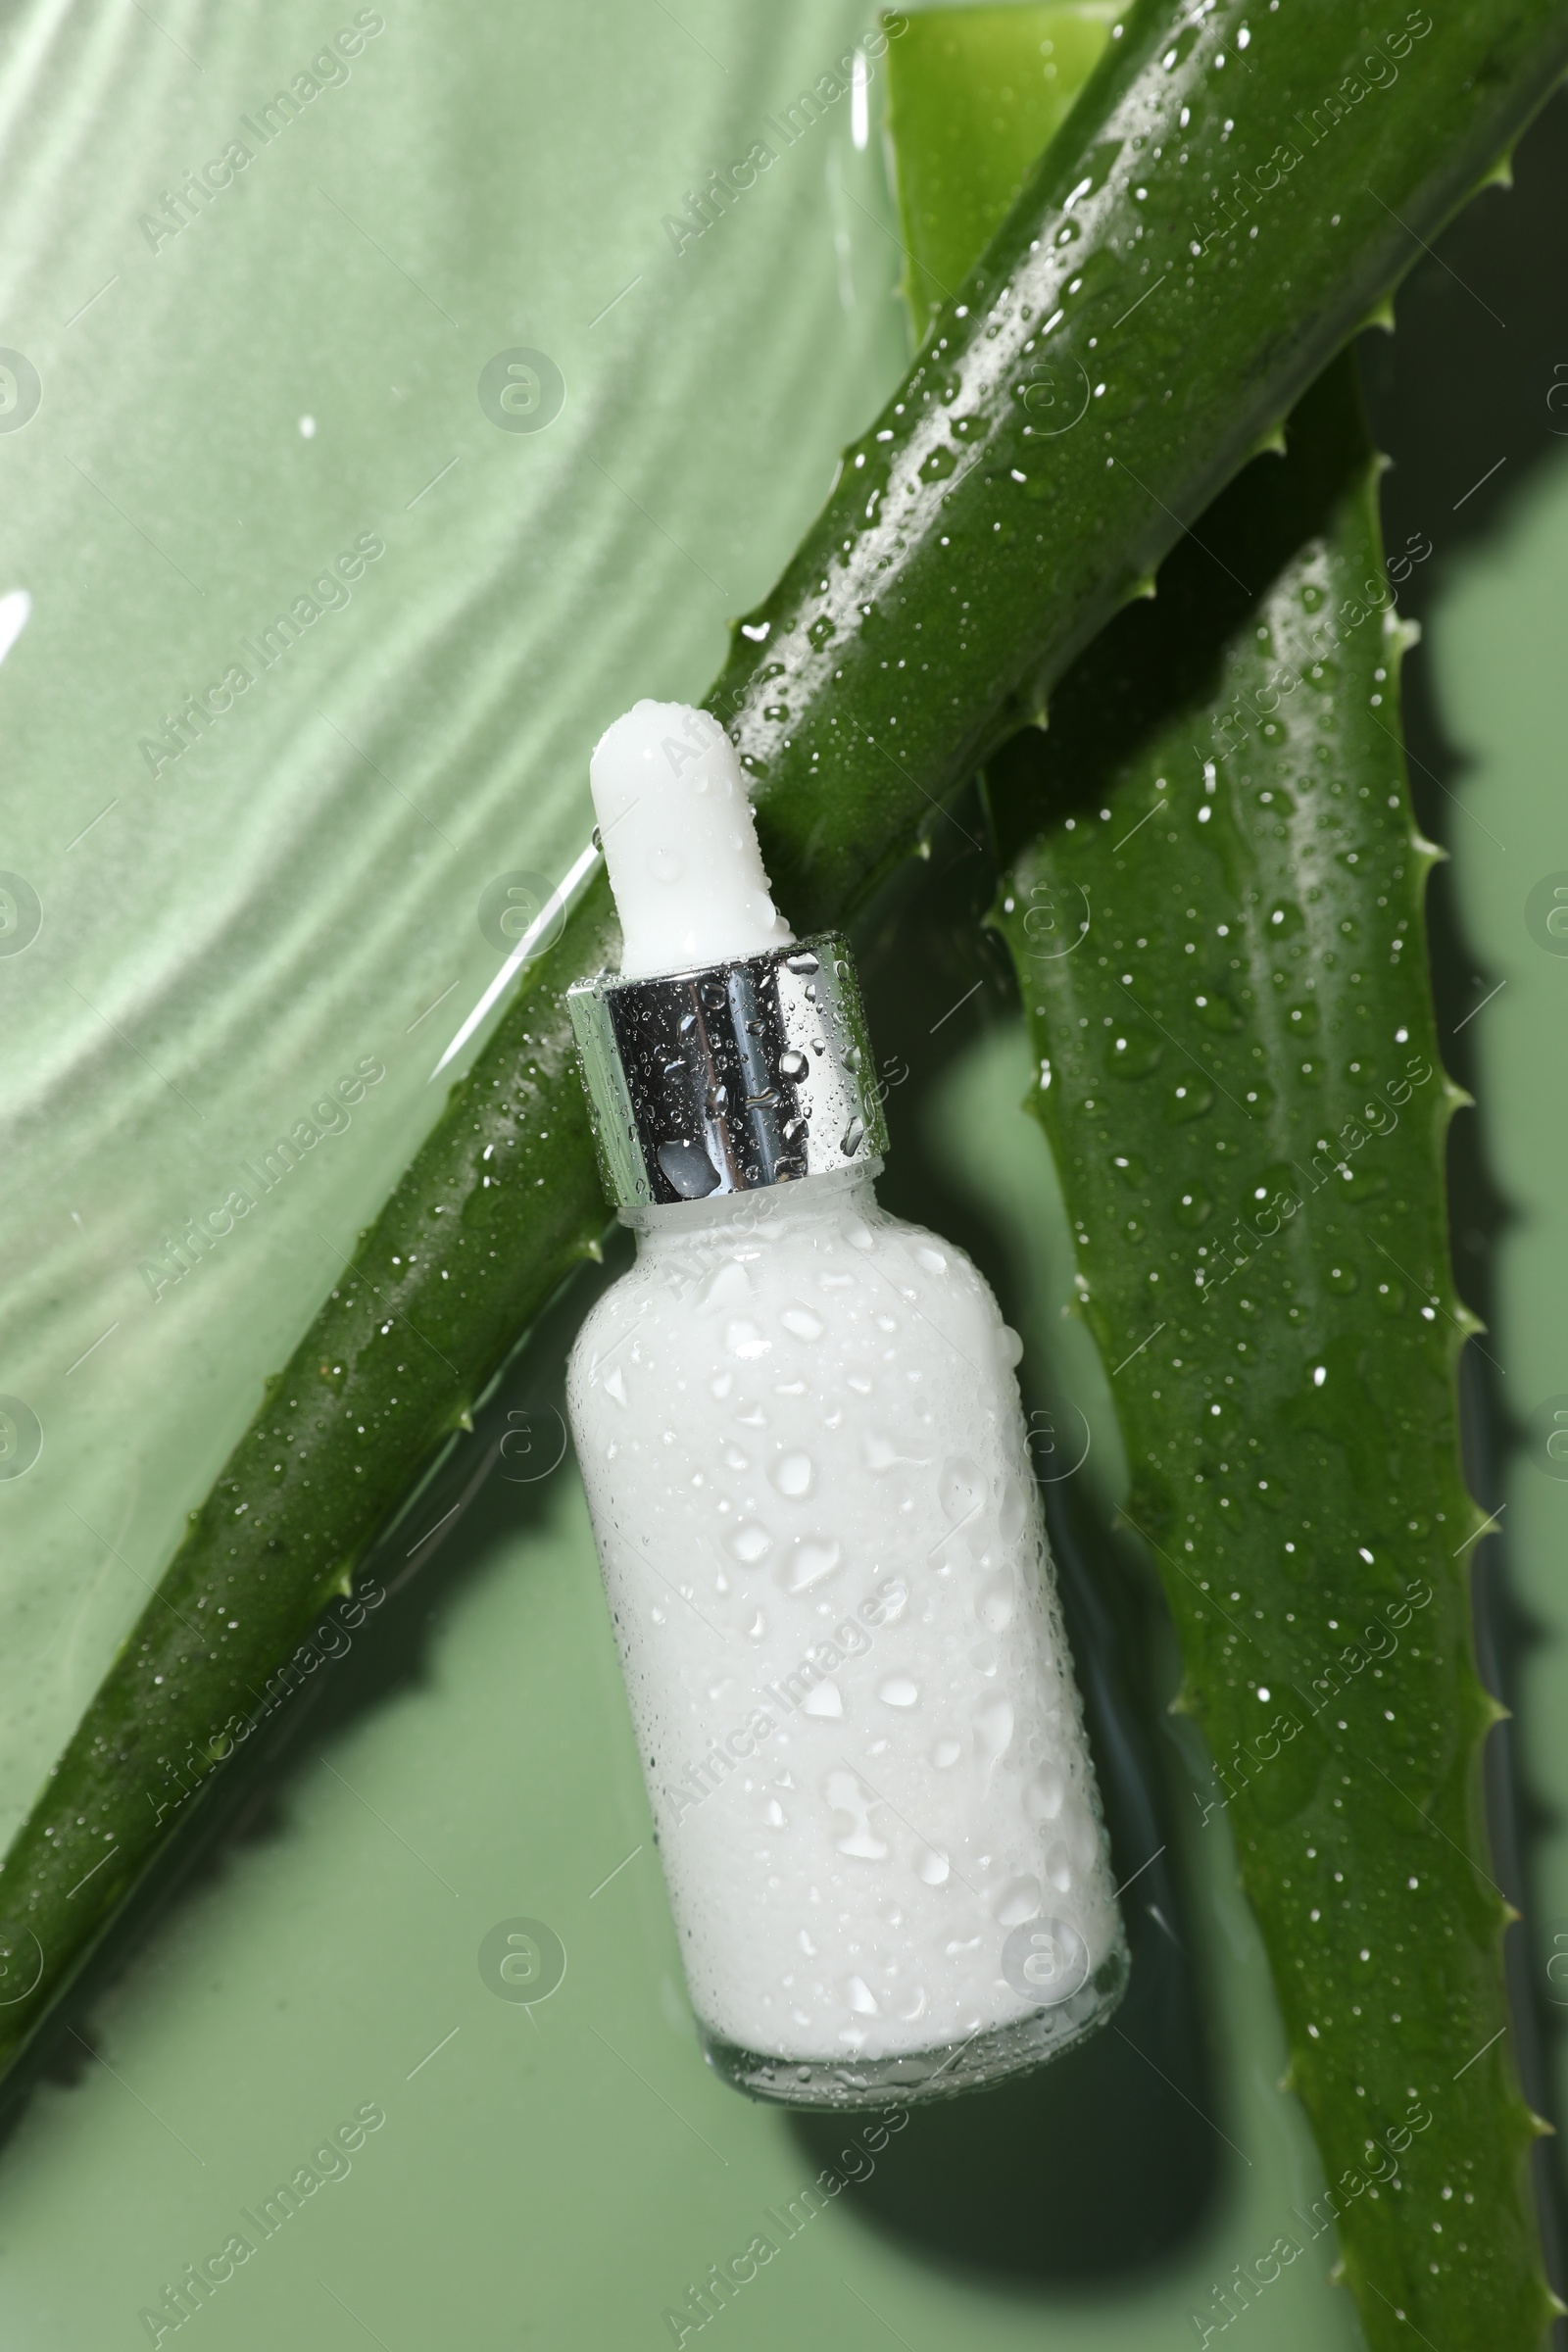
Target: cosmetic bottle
{"x":809,"y":1478}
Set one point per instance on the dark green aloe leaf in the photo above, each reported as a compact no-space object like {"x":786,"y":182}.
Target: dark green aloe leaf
{"x":1221,"y":942}
{"x":1231,"y":196}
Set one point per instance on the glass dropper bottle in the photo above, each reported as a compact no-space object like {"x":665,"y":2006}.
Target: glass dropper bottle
{"x":807,"y":1474}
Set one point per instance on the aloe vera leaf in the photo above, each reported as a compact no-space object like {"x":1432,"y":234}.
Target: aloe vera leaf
{"x":1233,"y":194}
{"x":1011,"y":43}
{"x":1221,"y":947}
{"x":957,"y":587}
{"x":500,"y":1204}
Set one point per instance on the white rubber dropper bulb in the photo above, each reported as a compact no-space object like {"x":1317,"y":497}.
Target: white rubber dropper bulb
{"x":681,"y":843}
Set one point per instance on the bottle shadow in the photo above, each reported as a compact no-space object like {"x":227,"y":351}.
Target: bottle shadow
{"x":1104,"y":2163}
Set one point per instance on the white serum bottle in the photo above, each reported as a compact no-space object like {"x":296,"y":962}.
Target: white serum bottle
{"x":806,"y":1468}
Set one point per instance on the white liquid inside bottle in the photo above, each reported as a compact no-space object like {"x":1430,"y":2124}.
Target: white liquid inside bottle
{"x":808,"y":1473}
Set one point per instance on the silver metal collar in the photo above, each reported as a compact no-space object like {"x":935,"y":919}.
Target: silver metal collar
{"x":730,"y":1077}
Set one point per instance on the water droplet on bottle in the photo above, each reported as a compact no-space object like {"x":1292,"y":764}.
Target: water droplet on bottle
{"x":859,"y":1996}
{"x":992,"y":1723}
{"x":793,"y":1064}
{"x":793,"y":1474}
{"x":934,"y":1866}
{"x":1018,"y":1900}
{"x":727,"y":1286}
{"x":749,"y":1540}
{"x":802,"y":962}
{"x":945,"y":1753}
{"x":846,"y":1796}
{"x":811,"y":1560}
{"x":745,"y":1340}
{"x":665,"y":865}
{"x":898,"y":1692}
{"x":853,"y":1138}
{"x":802,"y":1324}
{"x":1059,"y":1869}
{"x":1043,"y":1792}
{"x":961,"y":1487}
{"x":997,"y":1602}
{"x":826,"y":1700}
{"x":688,"y":1169}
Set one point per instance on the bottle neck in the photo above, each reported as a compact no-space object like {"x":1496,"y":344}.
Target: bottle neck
{"x":804,"y":1201}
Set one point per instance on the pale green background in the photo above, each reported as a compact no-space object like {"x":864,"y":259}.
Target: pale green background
{"x":229,"y":938}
